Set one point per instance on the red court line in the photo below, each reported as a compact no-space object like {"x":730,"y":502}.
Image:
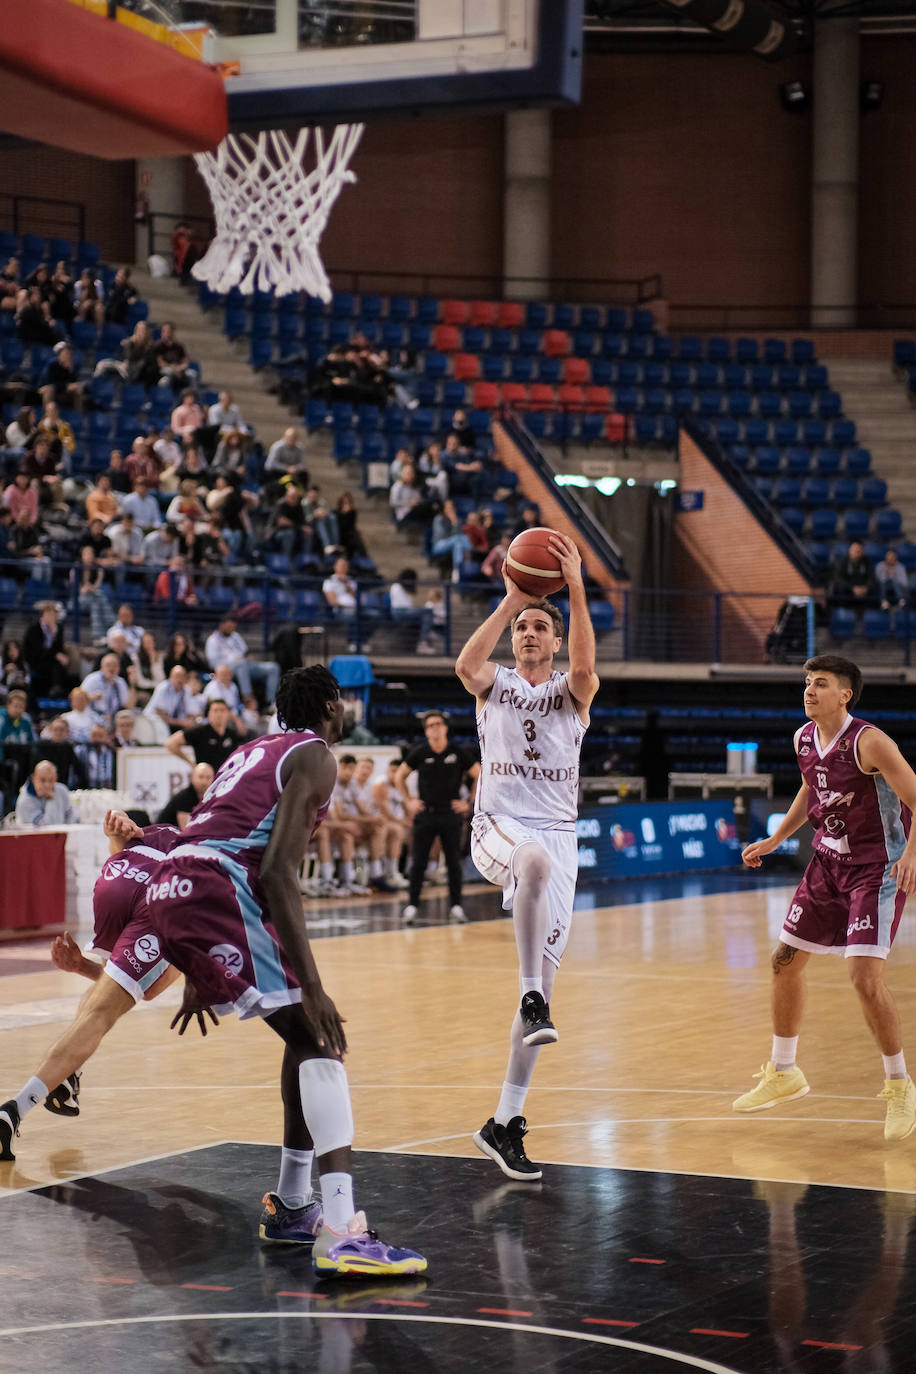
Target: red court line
{"x":711,"y":1331}
{"x":502,"y":1312}
{"x":103,"y":1278}
{"x":648,"y":1261}
{"x":607,"y":1321}
{"x":208,"y":1287}
{"x":288,"y":1293}
{"x":832,"y":1345}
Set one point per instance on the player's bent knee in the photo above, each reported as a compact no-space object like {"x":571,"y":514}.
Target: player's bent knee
{"x":532,"y":864}
{"x":866,"y":975}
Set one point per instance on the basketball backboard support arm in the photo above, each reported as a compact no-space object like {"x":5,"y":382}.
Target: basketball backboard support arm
{"x":519,"y":53}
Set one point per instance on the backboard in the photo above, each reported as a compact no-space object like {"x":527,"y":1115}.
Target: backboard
{"x":299,"y":62}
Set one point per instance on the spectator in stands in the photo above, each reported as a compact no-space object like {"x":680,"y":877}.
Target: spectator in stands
{"x":150,"y":664}
{"x":210,"y":549}
{"x":57,"y":431}
{"x":175,"y":583}
{"x":477,"y":534}
{"x":325,"y":530}
{"x":177,"y":811}
{"x":124,"y":735}
{"x":464,"y":468}
{"x":25,"y":546}
{"x":407,"y":501}
{"x":107,"y":691}
{"x":181,"y":650}
{"x":96,"y":538}
{"x":143,"y":463}
{"x":171,"y":701}
{"x":194,"y":466}
{"x":122,"y":293}
{"x":98,"y":758}
{"x":222,"y":688}
{"x":171,"y":457}
{"x":461,"y":430}
{"x":20,"y":430}
{"x":405,"y":611}
{"x":230,"y":505}
{"x":10,"y":285}
{"x":34,"y":322}
{"x":196,"y":688}
{"x":12,"y":665}
{"x":89,"y":299}
{"x":61,"y":383}
{"x":434,"y":474}
{"x":212,"y":741}
{"x":60,"y":750}
{"x":172,"y":358}
{"x":186,"y":504}
{"x":181,"y":243}
{"x":229,"y":457}
{"x":348,"y":536}
{"x":126,"y":541}
{"x":492,"y":565}
{"x":893,"y":584}
{"x":224,"y":415}
{"x":448,"y":541}
{"x":42,"y":467}
{"x":125,"y":624}
{"x":43,"y":800}
{"x":226,"y":645}
{"x":6,"y":532}
{"x":117,"y":472}
{"x":187,"y":418}
{"x":143,"y":506}
{"x":287,"y":457}
{"x":529,"y":518}
{"x":92,"y":597}
{"x":138,"y":353}
{"x":15,"y":723}
{"x":339,"y":591}
{"x":22,"y":494}
{"x":44,"y":653}
{"x":81,"y":717}
{"x":400,"y":460}
{"x":852,"y":579}
{"x":287,"y":531}
{"x":405,"y":377}
{"x":127,"y":663}
{"x":59,"y":294}
{"x":101,"y":502}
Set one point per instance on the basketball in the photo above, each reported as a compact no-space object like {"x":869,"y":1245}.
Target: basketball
{"x":533,"y":565}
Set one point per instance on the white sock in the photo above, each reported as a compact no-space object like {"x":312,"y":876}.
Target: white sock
{"x":295,"y":1185}
{"x":531,"y":985}
{"x":784,"y":1051}
{"x":30,"y":1096}
{"x":511,"y":1103}
{"x":326,"y":872}
{"x":894,"y":1065}
{"x":346,"y":871}
{"x":375,"y":868}
{"x":337,"y":1201}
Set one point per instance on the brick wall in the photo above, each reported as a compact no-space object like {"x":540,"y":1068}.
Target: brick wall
{"x":105,"y":188}
{"x":723,"y":548}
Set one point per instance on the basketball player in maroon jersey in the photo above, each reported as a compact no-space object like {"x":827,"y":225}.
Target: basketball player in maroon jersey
{"x":858,"y":792}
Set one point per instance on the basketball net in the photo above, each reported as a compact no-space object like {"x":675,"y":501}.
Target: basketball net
{"x":270,"y":210}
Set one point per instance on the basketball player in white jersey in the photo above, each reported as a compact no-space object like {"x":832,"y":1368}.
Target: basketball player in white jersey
{"x":531,"y":721}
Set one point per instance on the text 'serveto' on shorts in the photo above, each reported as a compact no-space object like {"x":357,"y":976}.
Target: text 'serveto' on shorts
{"x":495,"y":842}
{"x":843,"y":908}
{"x":136,"y":960}
{"x":211,"y":926}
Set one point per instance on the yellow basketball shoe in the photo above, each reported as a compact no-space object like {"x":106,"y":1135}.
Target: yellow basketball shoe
{"x":775,"y":1087}
{"x":900,"y":1094}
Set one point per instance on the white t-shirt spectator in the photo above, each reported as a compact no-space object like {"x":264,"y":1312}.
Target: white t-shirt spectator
{"x":221,"y":648}
{"x":341,"y":588}
{"x":79,"y":723}
{"x":218,"y":691}
{"x":115,"y":694}
{"x":132,"y":633}
{"x":175,"y":702}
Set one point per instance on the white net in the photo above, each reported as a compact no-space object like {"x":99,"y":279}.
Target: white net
{"x":271,"y":210}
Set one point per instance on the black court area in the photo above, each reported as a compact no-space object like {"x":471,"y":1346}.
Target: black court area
{"x":159,"y":1266}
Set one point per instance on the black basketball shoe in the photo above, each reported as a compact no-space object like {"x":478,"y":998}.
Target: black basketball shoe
{"x":537,"y":1027}
{"x":505,"y":1145}
{"x":9,"y":1127}
{"x":64,"y":1100}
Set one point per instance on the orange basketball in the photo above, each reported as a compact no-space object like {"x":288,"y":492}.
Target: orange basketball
{"x":533,"y":565}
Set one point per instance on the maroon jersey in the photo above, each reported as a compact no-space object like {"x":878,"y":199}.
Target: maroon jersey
{"x":236,"y":813}
{"x":857,"y":816}
{"x":120,"y":888}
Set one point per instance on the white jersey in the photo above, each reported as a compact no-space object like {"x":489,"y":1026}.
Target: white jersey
{"x":530,"y":738}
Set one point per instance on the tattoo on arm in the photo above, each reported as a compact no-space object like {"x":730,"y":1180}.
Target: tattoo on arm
{"x":783,"y":955}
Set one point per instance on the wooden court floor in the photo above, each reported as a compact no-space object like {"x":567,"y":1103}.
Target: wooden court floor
{"x":662,"y":1008}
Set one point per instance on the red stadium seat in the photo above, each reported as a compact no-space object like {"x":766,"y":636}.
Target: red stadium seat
{"x":486,"y":396}
{"x":540,"y":396}
{"x":510,"y":315}
{"x":455,"y":312}
{"x":616,"y":428}
{"x":577,"y":371}
{"x":573,"y":397}
{"x":556,"y":343}
{"x":514,"y":393}
{"x":597,"y":398}
{"x":467,"y":367}
{"x":483,"y":313}
{"x":446,"y":338}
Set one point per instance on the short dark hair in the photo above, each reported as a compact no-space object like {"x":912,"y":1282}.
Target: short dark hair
{"x":214,"y":701}
{"x":347,"y":759}
{"x":549,"y":608}
{"x":841,"y":668}
{"x":427,"y":716}
{"x":303,"y":696}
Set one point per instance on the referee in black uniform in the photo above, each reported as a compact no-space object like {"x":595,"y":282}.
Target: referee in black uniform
{"x":441,"y":768}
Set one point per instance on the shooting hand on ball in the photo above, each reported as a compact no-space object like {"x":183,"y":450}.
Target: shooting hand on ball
{"x":569,"y":557}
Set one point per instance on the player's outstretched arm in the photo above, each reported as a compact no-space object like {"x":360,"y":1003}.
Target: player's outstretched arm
{"x":308,"y":776}
{"x":583,"y":680}
{"x":797,"y":814}
{"x":878,"y":753}
{"x":473,"y":664}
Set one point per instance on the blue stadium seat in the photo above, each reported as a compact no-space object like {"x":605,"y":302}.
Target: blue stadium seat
{"x":774,"y":350}
{"x":876,"y":625}
{"x":767,"y":460}
{"x":662,"y":347}
{"x":706,"y":376}
{"x":474,"y":338}
{"x":690,"y":349}
{"x":529,"y":341}
{"x":710,"y":402}
{"x":493,"y":367}
{"x":843,"y":433}
{"x":800,"y":403}
{"x":845,"y":491}
{"x":817,"y":491}
{"x":260,"y":353}
{"x":856,"y":522}
{"x":858,"y":462}
{"x":419,"y":335}
{"x":785,"y":432}
{"x":904,"y":353}
{"x":794,"y":518}
{"x":611,"y":345}
{"x":842,"y":623}
{"x":627,"y":400}
{"x":372,"y":448}
{"x":642,"y":321}
{"x":888,"y":524}
{"x":905,"y":624}
{"x":756,"y":431}
{"x":746,"y":351}
{"x":740,"y":455}
{"x":393,"y":334}
{"x":734,"y":377}
{"x":769,"y":405}
{"x":763,"y":487}
{"x":829,"y":405}
{"x":501,"y":340}
{"x":584,"y":343}
{"x":536,"y":423}
{"x":788,"y":376}
{"x":802,"y":351}
{"x":828,"y":461}
{"x":645,"y":428}
{"x":454,"y":392}
{"x":906,"y":554}
{"x":798,"y":460}
{"x":549,"y":370}
{"x":592,"y":427}
{"x":655,"y":401}
{"x":344,"y":445}
{"x":824,"y":523}
{"x":591,"y":317}
{"x":235,"y":323}
{"x":814,"y":432}
{"x":874,"y":492}
{"x":435,"y":365}
{"x":718,"y":350}
{"x":536,"y":315}
{"x":563,"y":317}
{"x":761,"y":375}
{"x":817,"y":378}
{"x":668,"y":430}
{"x":819,"y":553}
{"x":787,"y":491}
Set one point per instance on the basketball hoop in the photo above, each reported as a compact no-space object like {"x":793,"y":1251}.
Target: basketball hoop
{"x":271,"y":211}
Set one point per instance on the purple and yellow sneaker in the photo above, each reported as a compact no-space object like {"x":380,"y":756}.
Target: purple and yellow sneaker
{"x":290,"y":1225}
{"x":359,"y":1251}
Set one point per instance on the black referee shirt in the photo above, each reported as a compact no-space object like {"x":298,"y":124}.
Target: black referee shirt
{"x":209,"y":747}
{"x":440,"y":776}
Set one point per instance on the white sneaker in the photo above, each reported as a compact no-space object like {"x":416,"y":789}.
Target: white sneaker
{"x":409,"y":914}
{"x":398,"y":880}
{"x":329,"y":889}
{"x":357,"y":890}
{"x":457,"y":915}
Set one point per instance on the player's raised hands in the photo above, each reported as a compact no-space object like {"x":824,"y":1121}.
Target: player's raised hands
{"x":568,"y":554}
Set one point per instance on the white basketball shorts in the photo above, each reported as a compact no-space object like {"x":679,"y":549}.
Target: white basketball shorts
{"x":495,"y":841}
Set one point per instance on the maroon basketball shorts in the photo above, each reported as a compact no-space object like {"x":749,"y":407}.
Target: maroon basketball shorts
{"x":844,"y":908}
